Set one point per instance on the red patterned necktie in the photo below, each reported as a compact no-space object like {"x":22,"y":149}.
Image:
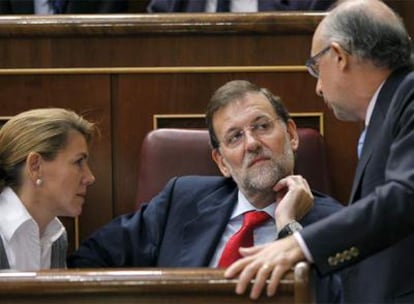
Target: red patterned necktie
{"x":242,"y":238}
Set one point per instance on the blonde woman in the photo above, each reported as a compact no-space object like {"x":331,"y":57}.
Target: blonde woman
{"x":44,"y":173}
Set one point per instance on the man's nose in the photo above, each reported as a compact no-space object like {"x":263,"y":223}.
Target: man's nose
{"x":318,"y":88}
{"x":251,"y":139}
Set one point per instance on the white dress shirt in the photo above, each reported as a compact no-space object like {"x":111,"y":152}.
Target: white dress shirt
{"x":42,"y":7}
{"x":235,"y":6}
{"x":265,"y":233}
{"x":25,"y":248}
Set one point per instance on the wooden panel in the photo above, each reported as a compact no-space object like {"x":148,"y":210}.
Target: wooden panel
{"x":405,"y":9}
{"x":159,"y":50}
{"x":155,"y":40}
{"x":193,"y":285}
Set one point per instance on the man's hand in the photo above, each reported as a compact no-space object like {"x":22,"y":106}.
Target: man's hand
{"x":294,"y":199}
{"x":265,"y":262}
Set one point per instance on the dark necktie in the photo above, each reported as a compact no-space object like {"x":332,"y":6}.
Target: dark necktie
{"x":242,"y":238}
{"x":58,"y":6}
{"x":223,"y":5}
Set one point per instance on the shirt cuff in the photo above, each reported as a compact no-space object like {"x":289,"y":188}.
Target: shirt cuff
{"x":303,"y":246}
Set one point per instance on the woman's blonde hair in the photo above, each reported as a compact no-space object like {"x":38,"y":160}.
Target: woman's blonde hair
{"x":44,"y":131}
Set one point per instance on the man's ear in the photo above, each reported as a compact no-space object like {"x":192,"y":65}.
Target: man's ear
{"x":33,"y":165}
{"x":218,"y":159}
{"x":293,"y":134}
{"x":341,"y":55}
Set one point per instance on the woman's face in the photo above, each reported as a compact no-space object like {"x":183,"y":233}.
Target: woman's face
{"x":66,"y":178}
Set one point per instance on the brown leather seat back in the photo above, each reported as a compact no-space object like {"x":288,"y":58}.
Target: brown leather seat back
{"x":175,"y":152}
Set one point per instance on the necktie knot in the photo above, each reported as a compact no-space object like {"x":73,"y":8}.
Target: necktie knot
{"x":243,"y":237}
{"x":253,"y":219}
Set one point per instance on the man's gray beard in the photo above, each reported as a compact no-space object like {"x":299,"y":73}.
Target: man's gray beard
{"x":263,"y":179}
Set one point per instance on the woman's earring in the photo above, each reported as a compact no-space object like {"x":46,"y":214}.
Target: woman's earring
{"x":39,"y":182}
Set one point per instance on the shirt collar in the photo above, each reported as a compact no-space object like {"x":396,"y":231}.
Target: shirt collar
{"x":371,"y":104}
{"x":243,"y":206}
{"x":13,"y":214}
{"x":53,"y":230}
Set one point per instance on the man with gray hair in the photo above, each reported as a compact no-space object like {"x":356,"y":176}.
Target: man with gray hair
{"x":362,"y":58}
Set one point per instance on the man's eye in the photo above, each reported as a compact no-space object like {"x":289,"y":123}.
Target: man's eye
{"x":263,"y":126}
{"x":234,"y":138}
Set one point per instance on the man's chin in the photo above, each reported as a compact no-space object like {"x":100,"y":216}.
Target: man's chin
{"x":262,"y":182}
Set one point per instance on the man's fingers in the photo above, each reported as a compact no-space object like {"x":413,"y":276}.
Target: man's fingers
{"x":234,"y":269}
{"x":274,"y":281}
{"x":266,"y":265}
{"x":248,"y":251}
{"x":260,"y":282}
{"x":245,"y":277}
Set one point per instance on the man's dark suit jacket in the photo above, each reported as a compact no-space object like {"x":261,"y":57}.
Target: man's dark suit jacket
{"x":71,"y":6}
{"x":180,"y":227}
{"x":377,"y":229}
{"x":193,"y":6}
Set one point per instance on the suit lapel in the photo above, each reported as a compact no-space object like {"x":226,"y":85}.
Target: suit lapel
{"x":374,"y":128}
{"x":202,"y":234}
